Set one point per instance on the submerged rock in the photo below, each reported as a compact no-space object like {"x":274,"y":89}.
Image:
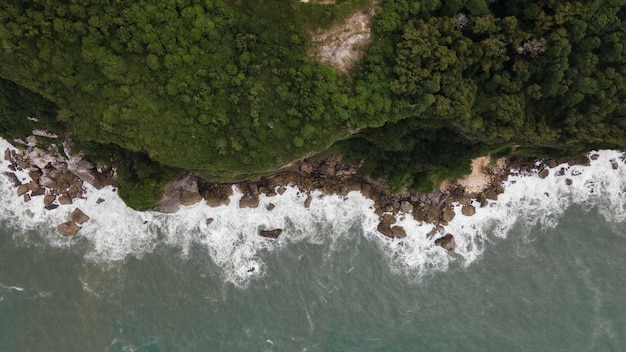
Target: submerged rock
{"x":68,"y":228}
{"x":446,"y":242}
{"x":12,"y":178}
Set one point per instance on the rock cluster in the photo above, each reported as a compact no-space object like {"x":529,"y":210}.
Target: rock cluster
{"x":57,"y":179}
{"x":71,"y":227}
{"x":332,"y":175}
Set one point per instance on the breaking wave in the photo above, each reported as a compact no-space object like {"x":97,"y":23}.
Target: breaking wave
{"x":231,"y":238}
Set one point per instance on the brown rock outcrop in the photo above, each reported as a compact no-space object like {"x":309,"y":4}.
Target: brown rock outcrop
{"x":468,"y":210}
{"x":249,"y":201}
{"x":190,"y":198}
{"x":448,"y":214}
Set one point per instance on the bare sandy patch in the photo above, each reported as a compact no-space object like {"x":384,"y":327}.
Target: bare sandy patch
{"x":343,"y":45}
{"x":480,"y":178}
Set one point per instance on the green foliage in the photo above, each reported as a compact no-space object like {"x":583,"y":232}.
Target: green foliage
{"x":19,"y":107}
{"x":225,"y":88}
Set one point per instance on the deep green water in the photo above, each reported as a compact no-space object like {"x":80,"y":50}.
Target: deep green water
{"x":555,"y":289}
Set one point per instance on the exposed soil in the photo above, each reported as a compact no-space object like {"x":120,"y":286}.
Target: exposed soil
{"x":343,"y":45}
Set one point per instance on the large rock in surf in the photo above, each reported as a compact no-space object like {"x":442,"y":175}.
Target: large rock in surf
{"x":79,"y":217}
{"x":398,"y":231}
{"x":385,"y":227}
{"x":68,"y":228}
{"x":22,"y":189}
{"x":47,"y":200}
{"x":446,"y":242}
{"x":249,"y":201}
{"x":448,"y":214}
{"x":270,"y":233}
{"x":468,"y":210}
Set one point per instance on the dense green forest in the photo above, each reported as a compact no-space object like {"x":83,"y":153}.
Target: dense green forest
{"x":225,"y":88}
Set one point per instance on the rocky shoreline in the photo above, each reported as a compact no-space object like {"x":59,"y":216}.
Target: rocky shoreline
{"x":56,"y":178}
{"x":60,"y":180}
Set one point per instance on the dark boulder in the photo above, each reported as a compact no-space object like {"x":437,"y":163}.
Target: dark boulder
{"x":12,"y":178}
{"x":446,"y":242}
{"x":38,"y":192}
{"x":270,"y":233}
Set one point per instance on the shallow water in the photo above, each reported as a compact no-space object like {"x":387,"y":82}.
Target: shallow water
{"x":533,"y":272}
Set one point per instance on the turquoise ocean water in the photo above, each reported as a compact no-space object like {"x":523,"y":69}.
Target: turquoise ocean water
{"x":541,"y":269}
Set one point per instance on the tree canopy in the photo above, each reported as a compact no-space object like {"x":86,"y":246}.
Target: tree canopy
{"x":226,"y":89}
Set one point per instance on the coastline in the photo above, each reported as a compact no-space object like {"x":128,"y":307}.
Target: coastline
{"x":238,"y":225}
{"x":60,"y":180}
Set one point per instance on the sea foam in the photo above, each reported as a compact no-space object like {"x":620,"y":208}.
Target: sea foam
{"x":231,"y":239}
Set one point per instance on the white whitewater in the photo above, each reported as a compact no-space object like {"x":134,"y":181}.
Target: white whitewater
{"x":115,"y":231}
